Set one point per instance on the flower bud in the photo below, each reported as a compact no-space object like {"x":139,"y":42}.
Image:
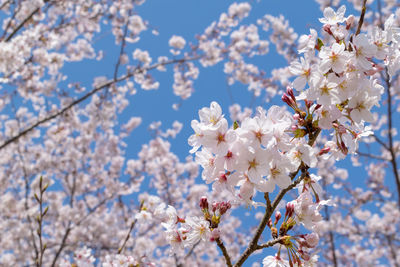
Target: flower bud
{"x":327,"y":28}
{"x":269,"y":223}
{"x":224,"y":206}
{"x":325,"y":150}
{"x":287,"y":100}
{"x":289,"y":209}
{"x":274,"y":232}
{"x":349,"y":22}
{"x":278,"y":216}
{"x":203,"y":203}
{"x":215,"y":206}
{"x":289,"y":91}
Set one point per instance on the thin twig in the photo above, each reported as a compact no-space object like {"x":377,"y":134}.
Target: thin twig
{"x":224,"y":252}
{"x":390,"y":148}
{"x":361,"y":21}
{"x":271,"y":242}
{"x":371,"y":156}
{"x":42,"y":213}
{"x":129,"y":232}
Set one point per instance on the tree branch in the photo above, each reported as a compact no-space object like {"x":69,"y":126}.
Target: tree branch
{"x":361,"y":21}
{"x":224,"y":252}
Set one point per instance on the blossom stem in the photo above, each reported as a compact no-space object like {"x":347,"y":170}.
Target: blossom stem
{"x":271,"y":242}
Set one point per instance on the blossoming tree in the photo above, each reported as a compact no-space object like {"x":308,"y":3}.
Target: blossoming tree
{"x":269,"y":181}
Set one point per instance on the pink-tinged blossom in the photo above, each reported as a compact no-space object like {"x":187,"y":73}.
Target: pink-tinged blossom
{"x":246,"y":191}
{"x":307,"y":211}
{"x":334,"y":58}
{"x":275,"y":261}
{"x":326,"y":115}
{"x":177,"y":42}
{"x":360,"y":106}
{"x":311,"y":185}
{"x":325,"y":93}
{"x":218,"y":140}
{"x":302,"y":152}
{"x":331,"y":17}
{"x":207,"y":160}
{"x":211,"y":116}
{"x":229,"y":160}
{"x":198,"y":229}
{"x":305,"y":73}
{"x":278,"y":172}
{"x":307,"y":42}
{"x":256,"y":130}
{"x":84,"y":257}
{"x":254,"y":161}
{"x":363,"y":50}
{"x":119,"y":261}
{"x":173,"y":236}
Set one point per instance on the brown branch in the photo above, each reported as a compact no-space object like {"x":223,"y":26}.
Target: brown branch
{"x":390,"y":134}
{"x":39,"y":219}
{"x":129,"y":232}
{"x":224,"y":252}
{"x":371,"y":156}
{"x":392,"y":251}
{"x":379,"y":141}
{"x":390,"y":148}
{"x":87,"y":95}
{"x":361,"y":21}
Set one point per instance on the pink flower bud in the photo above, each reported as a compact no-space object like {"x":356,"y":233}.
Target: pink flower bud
{"x":327,"y":28}
{"x":278,"y":216}
{"x":325,"y":150}
{"x":289,"y":91}
{"x":215,"y":206}
{"x":224,"y":206}
{"x":296,"y":116}
{"x":203,"y":203}
{"x":289,"y":209}
{"x":349,"y":22}
{"x":287,"y":100}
